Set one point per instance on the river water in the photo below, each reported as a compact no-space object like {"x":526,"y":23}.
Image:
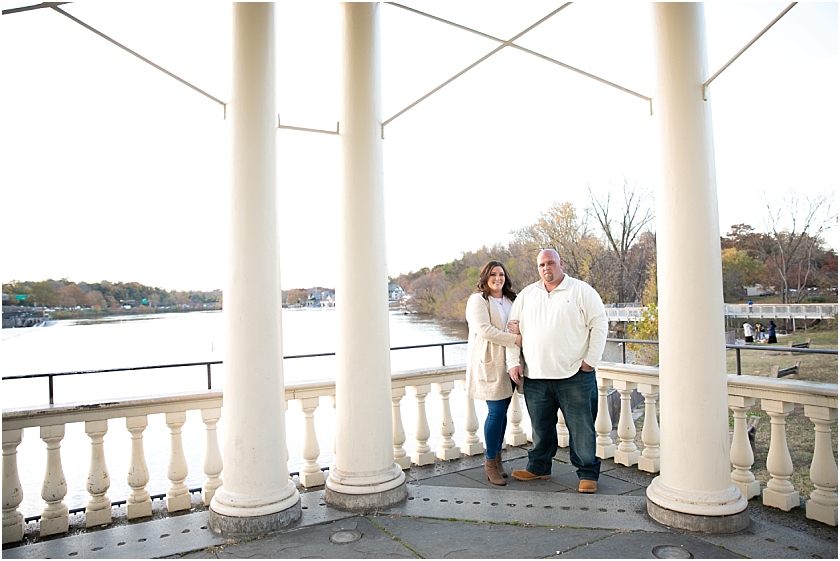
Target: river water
{"x":122,"y":342}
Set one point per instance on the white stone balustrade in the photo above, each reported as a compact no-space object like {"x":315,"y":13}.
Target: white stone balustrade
{"x":562,"y":430}
{"x":775,"y":396}
{"x":178,"y":494}
{"x":627,"y":453}
{"x":604,"y":447}
{"x":515,"y":436}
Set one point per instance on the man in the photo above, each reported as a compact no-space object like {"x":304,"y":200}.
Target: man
{"x":564,"y":331}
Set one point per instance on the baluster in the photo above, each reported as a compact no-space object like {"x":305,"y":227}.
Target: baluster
{"x":741,"y":454}
{"x":446,"y":450}
{"x":423,"y":454}
{"x":562,"y":431}
{"x":178,"y":494}
{"x":779,"y":492}
{"x":332,"y":403}
{"x":822,"y":505}
{"x":288,"y":456}
{"x":515,"y":436}
{"x":400,"y":456}
{"x":472,"y":445}
{"x":55,"y":518}
{"x":12,"y":491}
{"x":212,"y":456}
{"x":604,"y":447}
{"x":627,"y":454}
{"x":138,"y":504}
{"x":649,"y":460}
{"x":311,"y":474}
{"x":98,"y":508}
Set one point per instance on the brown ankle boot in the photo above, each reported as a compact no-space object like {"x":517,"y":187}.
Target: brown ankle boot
{"x":493,"y":473}
{"x":499,"y":465}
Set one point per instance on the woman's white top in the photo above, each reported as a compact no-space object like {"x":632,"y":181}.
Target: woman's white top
{"x":503,"y":305}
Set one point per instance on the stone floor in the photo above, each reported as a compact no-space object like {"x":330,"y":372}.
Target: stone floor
{"x":453,"y":512}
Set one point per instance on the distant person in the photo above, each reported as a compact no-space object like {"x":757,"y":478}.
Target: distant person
{"x":748,"y":332}
{"x":564,"y":331}
{"x":759,"y":331}
{"x":750,"y":304}
{"x":771,"y":333}
{"x":487,"y":313}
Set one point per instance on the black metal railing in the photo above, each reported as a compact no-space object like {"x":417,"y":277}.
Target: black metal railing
{"x":621,"y":342}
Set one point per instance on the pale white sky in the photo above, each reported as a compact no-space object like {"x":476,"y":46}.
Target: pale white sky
{"x":111,"y":170}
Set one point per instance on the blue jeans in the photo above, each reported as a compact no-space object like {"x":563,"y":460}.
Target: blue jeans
{"x":577,"y":398}
{"x":494,"y":426}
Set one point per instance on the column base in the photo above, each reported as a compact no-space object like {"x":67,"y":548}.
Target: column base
{"x":253,"y":525}
{"x":97,"y":517}
{"x":368,"y":502}
{"x":727,"y":524}
{"x":447,"y":454}
{"x":473,"y":449}
{"x":50,"y":526}
{"x":404,"y":462}
{"x":648,"y":465}
{"x":821,"y":513}
{"x":181,"y":502}
{"x":605,"y":452}
{"x":516,"y":439}
{"x":626,"y":458}
{"x":749,"y":490}
{"x":423,"y":459}
{"x":563,"y":441}
{"x":13,"y":532}
{"x":783,"y":501}
{"x":138,"y":510}
{"x":311,"y":479}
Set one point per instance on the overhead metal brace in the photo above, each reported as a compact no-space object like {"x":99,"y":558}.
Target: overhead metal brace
{"x":279,"y":126}
{"x":476,"y":63}
{"x":524,"y":50}
{"x":739,"y":53}
{"x":55,"y":7}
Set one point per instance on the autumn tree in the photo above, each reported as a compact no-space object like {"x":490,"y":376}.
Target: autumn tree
{"x":739,"y":270}
{"x":622,"y":224}
{"x":796,"y":224}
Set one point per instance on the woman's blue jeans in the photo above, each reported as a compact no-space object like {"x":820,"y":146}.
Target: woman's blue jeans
{"x":494,"y":426}
{"x":577,"y":398}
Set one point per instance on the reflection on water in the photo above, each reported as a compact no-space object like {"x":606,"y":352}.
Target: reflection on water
{"x":123,"y":342}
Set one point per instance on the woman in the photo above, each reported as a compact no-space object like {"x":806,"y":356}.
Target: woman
{"x":771,"y":333}
{"x":487,"y":378}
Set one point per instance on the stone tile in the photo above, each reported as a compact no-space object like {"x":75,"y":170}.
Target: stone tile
{"x":442,"y":539}
{"x":641,"y":545}
{"x":762,"y":540}
{"x":606,"y":485}
{"x":455,"y":480}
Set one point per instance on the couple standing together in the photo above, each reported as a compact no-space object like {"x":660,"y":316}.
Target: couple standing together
{"x":559,"y":326}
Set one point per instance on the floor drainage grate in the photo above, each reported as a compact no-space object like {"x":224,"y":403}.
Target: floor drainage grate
{"x":345,"y":536}
{"x":671,"y":552}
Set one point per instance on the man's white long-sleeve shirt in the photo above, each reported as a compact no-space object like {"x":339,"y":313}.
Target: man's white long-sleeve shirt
{"x":559,"y":329}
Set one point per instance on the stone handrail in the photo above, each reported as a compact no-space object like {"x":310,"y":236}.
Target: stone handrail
{"x":777,"y":398}
{"x":767,"y":311}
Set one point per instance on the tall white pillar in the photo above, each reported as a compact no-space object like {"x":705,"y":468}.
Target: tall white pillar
{"x":364,"y":475}
{"x":257,"y":494}
{"x":694,"y":490}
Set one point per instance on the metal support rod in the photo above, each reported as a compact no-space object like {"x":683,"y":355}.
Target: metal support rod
{"x":279,"y":126}
{"x":52,"y":400}
{"x":738,"y":361}
{"x":138,"y":55}
{"x":443,"y":355}
{"x":524,"y":50}
{"x":479,"y":61}
{"x":747,"y":46}
{"x":209,"y":378}
{"x":34,"y":7}
{"x":623,"y":353}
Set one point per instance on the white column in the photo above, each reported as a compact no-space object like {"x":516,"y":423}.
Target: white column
{"x":13,"y":526}
{"x":139,"y":502}
{"x":257,"y":494}
{"x":178,"y":494}
{"x":212,"y":455}
{"x":55,"y":518}
{"x":693,"y":490}
{"x":822,"y":505}
{"x":98,"y":508}
{"x":364,"y":474}
{"x":446,"y":449}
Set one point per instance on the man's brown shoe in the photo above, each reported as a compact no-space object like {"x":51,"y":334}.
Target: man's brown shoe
{"x":525,"y":475}
{"x":587,"y":486}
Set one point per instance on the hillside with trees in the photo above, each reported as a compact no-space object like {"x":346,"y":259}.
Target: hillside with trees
{"x":105,"y":296}
{"x":611,"y":244}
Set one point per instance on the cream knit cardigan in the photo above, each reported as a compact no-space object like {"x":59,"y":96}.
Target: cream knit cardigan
{"x":487,"y":376}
